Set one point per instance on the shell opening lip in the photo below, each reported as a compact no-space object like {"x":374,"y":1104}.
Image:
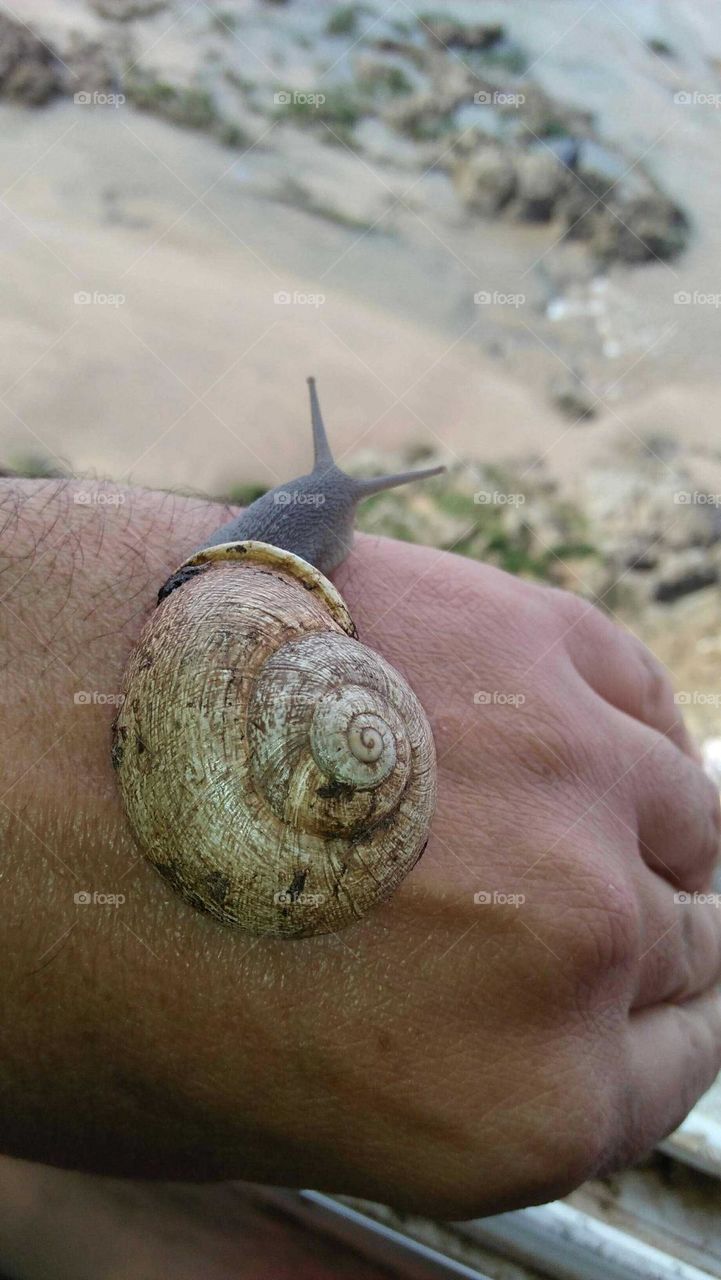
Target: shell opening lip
{"x":267,"y":556}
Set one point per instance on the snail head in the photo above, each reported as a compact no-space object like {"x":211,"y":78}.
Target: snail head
{"x":314,"y":515}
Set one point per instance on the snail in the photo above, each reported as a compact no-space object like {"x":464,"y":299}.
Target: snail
{"x":278,"y":773}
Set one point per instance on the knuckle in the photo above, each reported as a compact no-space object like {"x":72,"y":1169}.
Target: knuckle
{"x":572,"y":610}
{"x":603,"y":928}
{"x":667,"y":963}
{"x":684,"y":802}
{"x":555,"y":746}
{"x":640,"y":1127}
{"x":582,"y":1129}
{"x":655,"y":687}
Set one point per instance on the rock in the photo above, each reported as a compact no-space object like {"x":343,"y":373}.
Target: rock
{"x":29,"y":70}
{"x":428,"y":111}
{"x":551,"y":120}
{"x":642,"y":555}
{"x":384,"y":145}
{"x":646,"y":227}
{"x":574,"y":399}
{"x":567,"y":150}
{"x":486,"y":180}
{"x":683,"y":573}
{"x":599,"y":168}
{"x":476,"y":124}
{"x":88,"y":68}
{"x":381,"y":75}
{"x":584,"y":217}
{"x":457,"y":35}
{"x":585,"y":575}
{"x":541,"y":180}
{"x":659,"y":46}
{"x":417,"y":114}
{"x":125,"y":10}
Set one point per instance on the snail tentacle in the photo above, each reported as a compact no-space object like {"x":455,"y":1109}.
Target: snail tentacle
{"x":279,"y":774}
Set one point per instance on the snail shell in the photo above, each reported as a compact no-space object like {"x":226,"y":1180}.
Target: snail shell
{"x":280,"y":774}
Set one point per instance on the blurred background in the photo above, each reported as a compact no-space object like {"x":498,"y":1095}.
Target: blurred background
{"x":493,"y":233}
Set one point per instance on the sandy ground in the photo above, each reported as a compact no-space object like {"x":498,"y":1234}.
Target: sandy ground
{"x":198,"y":375}
{"x":194,"y":376}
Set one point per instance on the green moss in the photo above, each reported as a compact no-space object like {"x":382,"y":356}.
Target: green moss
{"x":36,"y":466}
{"x":387,"y":79}
{"x":243,"y":494}
{"x":455,"y":503}
{"x":503,"y":57}
{"x":442,"y":513}
{"x":224,"y":21}
{"x":231,"y":135}
{"x":401,"y":27}
{"x":343,"y":21}
{"x":341,"y":110}
{"x":193,"y":108}
{"x":238,"y":81}
{"x":553,"y":128}
{"x":341,"y":107}
{"x":338,"y":135}
{"x":431,"y":17}
{"x":429,"y":128}
{"x":659,"y":47}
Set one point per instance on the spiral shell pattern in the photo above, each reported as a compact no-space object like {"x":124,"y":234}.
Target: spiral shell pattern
{"x":279,"y":773}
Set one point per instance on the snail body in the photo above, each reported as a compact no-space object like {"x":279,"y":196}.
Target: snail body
{"x":279,"y":773}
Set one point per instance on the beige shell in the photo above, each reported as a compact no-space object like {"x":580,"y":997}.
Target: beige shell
{"x":279,"y":774}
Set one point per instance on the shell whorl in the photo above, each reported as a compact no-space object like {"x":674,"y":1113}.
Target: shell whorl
{"x":277,"y":771}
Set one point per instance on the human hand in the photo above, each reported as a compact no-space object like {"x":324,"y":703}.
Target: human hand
{"x":449,"y":1055}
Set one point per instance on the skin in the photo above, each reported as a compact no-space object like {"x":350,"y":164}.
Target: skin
{"x":452,"y":1057}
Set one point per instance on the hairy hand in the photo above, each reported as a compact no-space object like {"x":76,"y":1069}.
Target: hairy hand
{"x":533,"y":1005}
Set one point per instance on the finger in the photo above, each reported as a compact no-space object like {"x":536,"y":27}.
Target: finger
{"x":677,"y":810}
{"x":679,"y":942}
{"x":625,"y":673}
{"x":676,"y":807}
{"x":674,"y":1055}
